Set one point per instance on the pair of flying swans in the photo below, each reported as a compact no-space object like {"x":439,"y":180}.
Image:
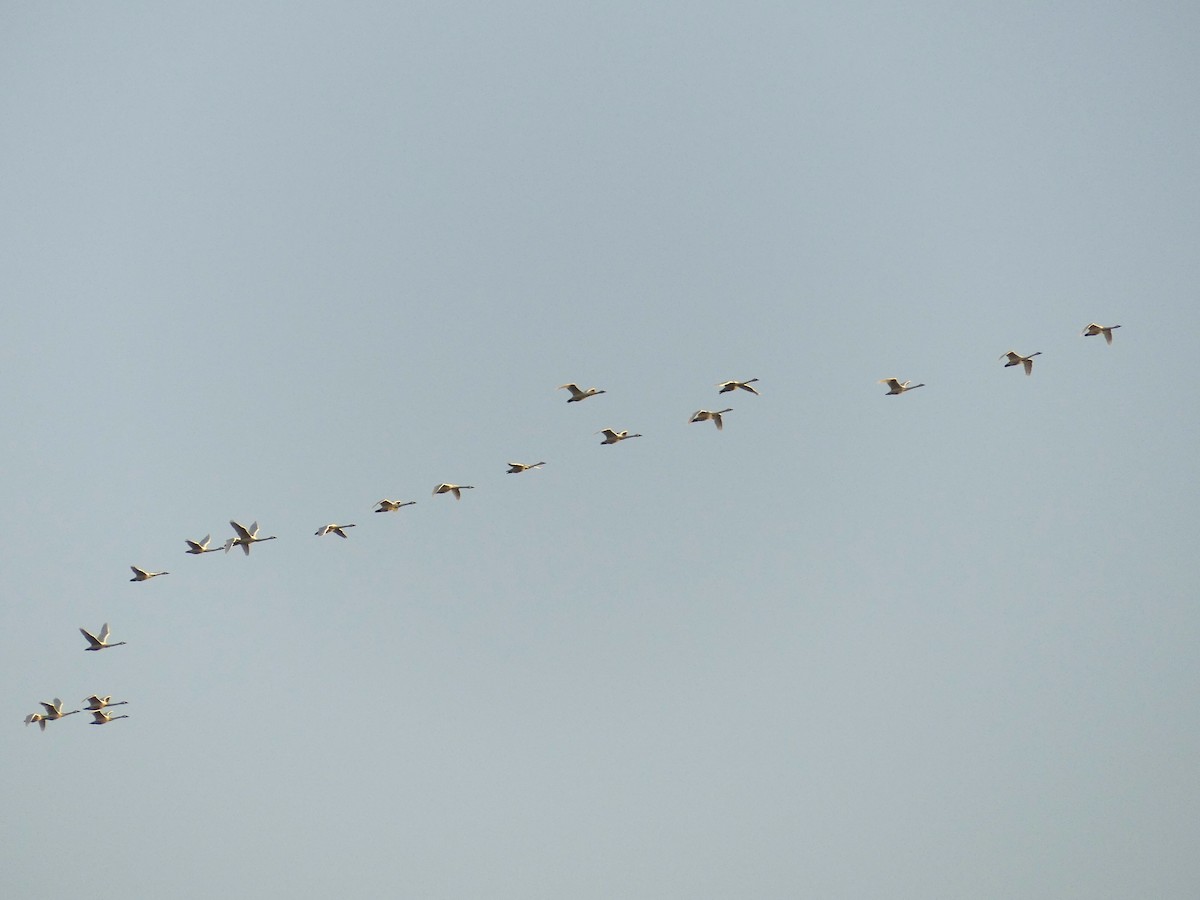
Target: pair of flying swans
{"x":53,"y":712}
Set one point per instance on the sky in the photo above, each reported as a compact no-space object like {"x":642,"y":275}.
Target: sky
{"x":275,"y":261}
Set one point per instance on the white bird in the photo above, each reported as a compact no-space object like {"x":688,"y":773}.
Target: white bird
{"x":703,"y":415}
{"x":515,"y":468}
{"x":143,"y":575}
{"x":614,"y":437}
{"x":1016,"y":359}
{"x":200,"y":546}
{"x":577,"y":394}
{"x":896,"y":388}
{"x":455,"y":489}
{"x":386,"y":505}
{"x":36,"y":717}
{"x":246,"y":537}
{"x":1093,"y":329}
{"x":100,"y":717}
{"x":95,"y":702}
{"x":726,"y":386}
{"x":333,"y":529}
{"x":99,"y":643}
{"x":54,"y":710}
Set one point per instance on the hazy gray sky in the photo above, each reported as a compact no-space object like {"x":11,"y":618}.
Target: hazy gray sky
{"x":275,"y":261}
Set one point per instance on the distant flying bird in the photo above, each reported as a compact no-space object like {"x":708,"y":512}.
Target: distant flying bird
{"x":1093,"y":329}
{"x":1016,"y":359}
{"x":577,"y":394}
{"x":36,"y":717}
{"x":246,"y":537}
{"x":704,"y":415}
{"x":726,"y":386}
{"x":100,"y":717}
{"x":895,"y":388}
{"x":333,"y":529}
{"x":54,"y":710}
{"x":386,"y":505}
{"x":517,"y":468}
{"x":455,"y":489}
{"x":143,"y":575}
{"x":200,"y":546}
{"x":99,"y":643}
{"x":614,"y":437}
{"x":95,"y":702}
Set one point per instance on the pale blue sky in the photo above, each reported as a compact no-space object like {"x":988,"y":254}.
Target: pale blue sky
{"x":276,"y":261}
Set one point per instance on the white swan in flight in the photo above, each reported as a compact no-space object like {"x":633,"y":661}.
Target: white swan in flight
{"x":896,"y":388}
{"x":455,"y":489}
{"x":704,"y":415}
{"x":334,"y":529}
{"x":54,"y":710}
{"x":726,"y":386}
{"x":1093,"y":329}
{"x":1016,"y":359}
{"x":100,"y":717}
{"x":515,"y":468}
{"x":386,"y":505}
{"x":201,"y":546}
{"x":143,"y":575}
{"x":99,"y":643}
{"x":36,"y":717}
{"x":246,"y":537}
{"x":615,"y":437}
{"x":577,"y":394}
{"x":95,"y":702}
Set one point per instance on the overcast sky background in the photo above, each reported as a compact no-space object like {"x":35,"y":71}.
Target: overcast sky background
{"x":275,"y":261}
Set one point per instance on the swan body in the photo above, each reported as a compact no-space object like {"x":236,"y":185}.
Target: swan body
{"x":1093,"y":329}
{"x":704,"y":415}
{"x":896,"y":388}
{"x":201,"y":546}
{"x":515,"y":468}
{"x":95,"y":702}
{"x":143,"y":575}
{"x":99,"y":643}
{"x":615,"y":437}
{"x":333,"y":529}
{"x":577,"y":394}
{"x":1016,"y":359}
{"x":246,"y":537}
{"x":455,"y":489}
{"x":54,"y":710}
{"x":100,"y":717}
{"x":726,"y":386}
{"x":386,"y":505}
